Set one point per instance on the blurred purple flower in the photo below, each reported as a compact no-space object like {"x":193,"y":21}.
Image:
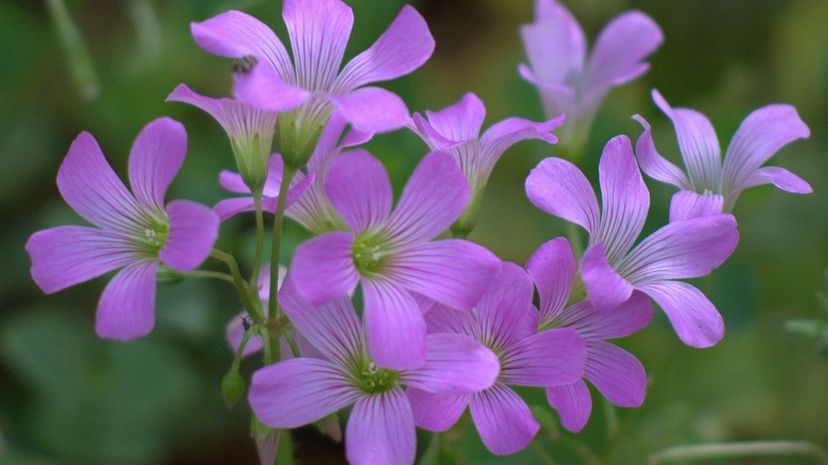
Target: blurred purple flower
{"x":233,"y":182}
{"x":616,"y":373}
{"x":609,"y":269}
{"x":569,"y":81}
{"x":505,"y":321}
{"x":380,"y":429}
{"x":312,"y":81}
{"x":134,"y":230}
{"x":456,"y":131}
{"x":392,"y":254}
{"x":710,"y":187}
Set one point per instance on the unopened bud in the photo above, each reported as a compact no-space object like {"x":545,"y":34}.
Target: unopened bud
{"x":232,"y":387}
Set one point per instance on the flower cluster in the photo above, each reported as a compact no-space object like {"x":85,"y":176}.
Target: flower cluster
{"x":388,"y":307}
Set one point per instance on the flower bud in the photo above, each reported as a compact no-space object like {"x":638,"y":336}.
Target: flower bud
{"x":232,"y":386}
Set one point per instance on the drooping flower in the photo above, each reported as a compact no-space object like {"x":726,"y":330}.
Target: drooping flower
{"x":505,"y":321}
{"x":249,"y":129}
{"x":456,"y":131}
{"x":616,"y":373}
{"x":312,"y":84}
{"x":234,"y":182}
{"x":313,"y":210}
{"x":380,"y":430}
{"x":134,"y":231}
{"x":572,"y":83}
{"x":711,"y":186}
{"x":610,"y":270}
{"x":392,"y":254}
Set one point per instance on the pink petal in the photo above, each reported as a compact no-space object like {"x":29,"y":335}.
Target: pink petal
{"x":193,"y":232}
{"x":127,"y":306}
{"x":620,"y":48}
{"x":227,"y":208}
{"x":460,"y":121}
{"x":758,"y":138}
{"x":625,"y":198}
{"x":779,"y":177}
{"x":233,"y":182}
{"x":372,"y":109}
{"x":503,"y":420}
{"x":508,"y":132}
{"x":323,"y":269}
{"x":625,"y":320}
{"x":557,"y":99}
{"x":442,"y":319}
{"x":573,"y":404}
{"x":555,"y":45}
{"x":617,"y":374}
{"x":697,"y":142}
{"x":652,"y":163}
{"x":262,"y":88}
{"x":552,"y":268}
{"x":381,"y":430}
{"x":295,"y":392}
{"x":549,"y":358}
{"x":359,"y":190}
{"x":234,"y":34}
{"x":91,"y":188}
{"x":455,"y":364}
{"x":394,"y":325}
{"x":435,"y":195}
{"x":504,"y":314}
{"x":695,"y":319}
{"x":319,"y":31}
{"x":68,"y":255}
{"x":451,"y":271}
{"x":605,"y":288}
{"x":558,"y":187}
{"x":436,"y":412}
{"x":686,"y":205}
{"x":155,"y":158}
{"x":402,"y":48}
{"x":682,"y":249}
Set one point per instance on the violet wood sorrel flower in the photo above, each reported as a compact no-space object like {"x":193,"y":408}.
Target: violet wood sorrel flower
{"x":572,"y":83}
{"x":380,"y":430}
{"x":456,"y":131}
{"x":134,"y":230}
{"x":249,"y":129}
{"x":616,"y":373}
{"x":392,"y":254}
{"x":313,"y":210}
{"x":312,"y":84}
{"x":710,"y":186}
{"x":234,"y":182}
{"x":505,"y":321}
{"x":609,"y":269}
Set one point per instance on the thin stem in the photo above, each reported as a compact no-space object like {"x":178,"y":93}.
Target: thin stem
{"x":278,"y":221}
{"x":208,"y":275}
{"x":740,"y":449}
{"x":267,"y":347}
{"x":546,"y":459}
{"x":284,"y":455}
{"x":257,"y":259}
{"x":574,"y":237}
{"x":240,"y":350}
{"x":241,"y":285}
{"x":294,"y":348}
{"x":76,"y":52}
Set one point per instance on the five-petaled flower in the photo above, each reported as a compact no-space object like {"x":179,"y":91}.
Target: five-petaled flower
{"x":610,"y":270}
{"x":134,"y":230}
{"x":710,"y":185}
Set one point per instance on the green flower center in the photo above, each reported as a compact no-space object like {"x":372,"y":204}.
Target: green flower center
{"x":152,"y":234}
{"x":369,"y":253}
{"x":372,"y":379}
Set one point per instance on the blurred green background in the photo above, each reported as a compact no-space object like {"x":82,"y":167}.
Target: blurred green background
{"x":69,"y":398}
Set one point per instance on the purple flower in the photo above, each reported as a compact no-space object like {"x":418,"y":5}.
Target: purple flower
{"x":609,"y":269}
{"x":392,"y":254}
{"x":616,"y":373}
{"x":710,"y":187}
{"x":250,"y":130}
{"x":380,"y":429}
{"x":505,"y":321}
{"x":233,"y":182}
{"x":312,"y":84}
{"x":134,"y":230}
{"x":456,"y":130}
{"x":571,"y":83}
{"x":313,"y":210}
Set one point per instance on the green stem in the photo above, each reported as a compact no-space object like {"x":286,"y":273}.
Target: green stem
{"x":257,"y":259}
{"x":241,"y":285}
{"x":574,"y":237}
{"x":267,"y":346}
{"x":208,"y":275}
{"x":284,"y":455}
{"x":546,"y":459}
{"x":278,"y":221}
{"x":240,"y":350}
{"x":76,"y":52}
{"x":740,"y":449}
